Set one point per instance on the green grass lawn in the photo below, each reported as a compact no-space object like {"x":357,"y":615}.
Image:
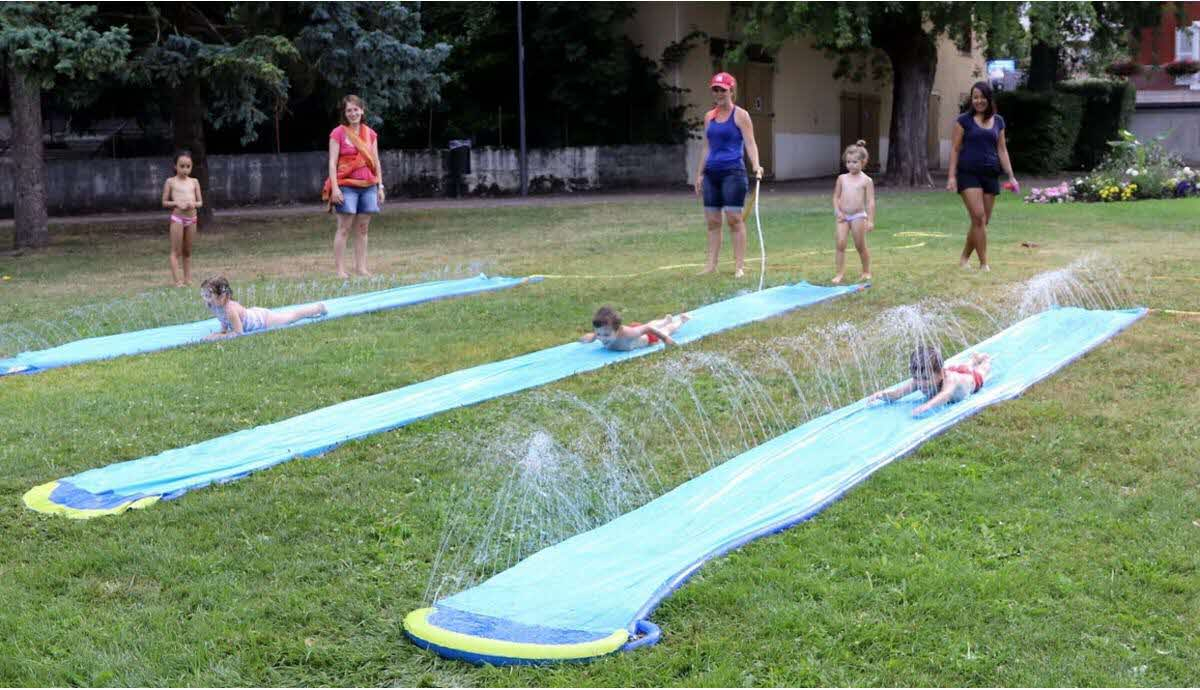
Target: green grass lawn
{"x":1051,"y":540}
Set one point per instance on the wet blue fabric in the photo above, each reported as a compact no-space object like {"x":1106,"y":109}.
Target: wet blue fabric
{"x":170,"y":474}
{"x":613,"y":576}
{"x":152,"y":339}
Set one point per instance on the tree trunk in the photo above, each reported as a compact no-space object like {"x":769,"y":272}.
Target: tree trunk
{"x":188,"y":120}
{"x":29,"y":165}
{"x":1043,"y":67}
{"x":914,"y":62}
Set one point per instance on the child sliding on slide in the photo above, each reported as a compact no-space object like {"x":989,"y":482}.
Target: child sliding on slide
{"x":237,"y":320}
{"x":614,"y":336}
{"x":939,"y":384}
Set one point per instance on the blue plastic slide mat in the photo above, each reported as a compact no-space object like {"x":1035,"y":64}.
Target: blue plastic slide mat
{"x":139,"y":483}
{"x":591,"y":594}
{"x":151,"y":339}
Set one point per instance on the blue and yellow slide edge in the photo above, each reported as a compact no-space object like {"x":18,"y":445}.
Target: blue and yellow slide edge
{"x":481,"y":639}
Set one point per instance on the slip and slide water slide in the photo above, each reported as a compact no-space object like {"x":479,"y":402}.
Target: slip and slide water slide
{"x":142,"y":482}
{"x":153,"y":339}
{"x":592,"y":594}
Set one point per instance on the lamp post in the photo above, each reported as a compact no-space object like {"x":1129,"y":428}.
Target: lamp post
{"x":521,"y":100}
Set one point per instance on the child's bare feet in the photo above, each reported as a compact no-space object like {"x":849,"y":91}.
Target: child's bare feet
{"x":984,"y":267}
{"x":965,"y":265}
{"x":865,"y":276}
{"x":685,"y":317}
{"x":362,"y":272}
{"x":707,"y":270}
{"x":739,"y":273}
{"x":179,"y":283}
{"x":343,"y":274}
{"x":837,"y":279}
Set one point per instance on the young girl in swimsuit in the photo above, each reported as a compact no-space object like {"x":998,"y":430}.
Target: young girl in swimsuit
{"x":237,"y":320}
{"x":181,"y":194}
{"x":614,"y":336}
{"x":939,"y":384}
{"x":854,"y":208}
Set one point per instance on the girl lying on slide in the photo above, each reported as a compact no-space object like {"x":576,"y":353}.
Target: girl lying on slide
{"x":939,"y":384}
{"x":614,"y":336}
{"x":237,"y":320}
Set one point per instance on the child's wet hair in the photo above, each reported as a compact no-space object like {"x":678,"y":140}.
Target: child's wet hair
{"x":217,"y":285}
{"x":858,"y":150}
{"x":183,"y":153}
{"x":606,"y":316}
{"x":925,"y":362}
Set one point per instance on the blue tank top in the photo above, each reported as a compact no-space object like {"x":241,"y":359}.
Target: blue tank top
{"x":978,"y":153}
{"x":725,"y":145}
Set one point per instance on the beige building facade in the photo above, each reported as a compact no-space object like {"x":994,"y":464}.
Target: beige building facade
{"x":803,"y":117}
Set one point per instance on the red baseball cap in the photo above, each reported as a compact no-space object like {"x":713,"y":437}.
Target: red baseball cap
{"x":723,"y":79}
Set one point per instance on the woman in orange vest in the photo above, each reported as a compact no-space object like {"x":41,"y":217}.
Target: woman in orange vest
{"x":354,"y":188}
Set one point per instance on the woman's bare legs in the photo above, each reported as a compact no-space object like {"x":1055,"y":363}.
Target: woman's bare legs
{"x":361,"y":223}
{"x":713,"y":220}
{"x":977,"y":235}
{"x":737,"y":233}
{"x":989,"y":202}
{"x":344,"y":222}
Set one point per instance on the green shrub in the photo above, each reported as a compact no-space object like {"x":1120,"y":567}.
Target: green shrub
{"x":1042,"y":128}
{"x":1107,"y":107}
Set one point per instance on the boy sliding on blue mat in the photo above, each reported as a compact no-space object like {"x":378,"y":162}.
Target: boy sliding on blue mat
{"x":939,"y":384}
{"x":236,"y":319}
{"x":614,"y":336}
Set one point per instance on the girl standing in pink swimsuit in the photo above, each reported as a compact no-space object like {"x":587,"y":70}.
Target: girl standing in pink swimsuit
{"x":181,"y":194}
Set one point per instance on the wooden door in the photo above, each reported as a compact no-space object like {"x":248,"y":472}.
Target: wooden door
{"x":860,"y":120}
{"x":756,"y":95}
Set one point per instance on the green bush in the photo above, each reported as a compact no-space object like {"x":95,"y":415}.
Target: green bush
{"x":1042,"y":128}
{"x":1107,"y":107}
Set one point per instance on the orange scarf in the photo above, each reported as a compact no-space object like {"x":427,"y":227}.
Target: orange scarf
{"x":347,"y":164}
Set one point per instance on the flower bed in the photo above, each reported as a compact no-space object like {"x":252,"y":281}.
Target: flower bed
{"x":1132,"y":170}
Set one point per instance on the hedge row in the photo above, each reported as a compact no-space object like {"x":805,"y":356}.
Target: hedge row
{"x":1065,"y":129}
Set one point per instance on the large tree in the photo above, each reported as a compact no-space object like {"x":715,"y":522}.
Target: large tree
{"x":45,"y":46}
{"x":242,"y":67}
{"x":907,"y":33}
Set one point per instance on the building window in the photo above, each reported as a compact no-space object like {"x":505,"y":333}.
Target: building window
{"x":1187,"y":47}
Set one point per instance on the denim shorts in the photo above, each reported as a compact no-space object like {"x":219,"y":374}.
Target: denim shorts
{"x":359,"y":200}
{"x":725,"y":190}
{"x":988,"y":181}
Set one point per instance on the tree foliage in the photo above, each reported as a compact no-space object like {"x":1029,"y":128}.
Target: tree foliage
{"x":906,"y":33}
{"x":44,"y":47}
{"x":586,"y":82}
{"x":56,"y":43}
{"x":374,"y":51}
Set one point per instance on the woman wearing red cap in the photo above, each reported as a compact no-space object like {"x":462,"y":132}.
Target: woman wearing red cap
{"x":721,"y":177}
